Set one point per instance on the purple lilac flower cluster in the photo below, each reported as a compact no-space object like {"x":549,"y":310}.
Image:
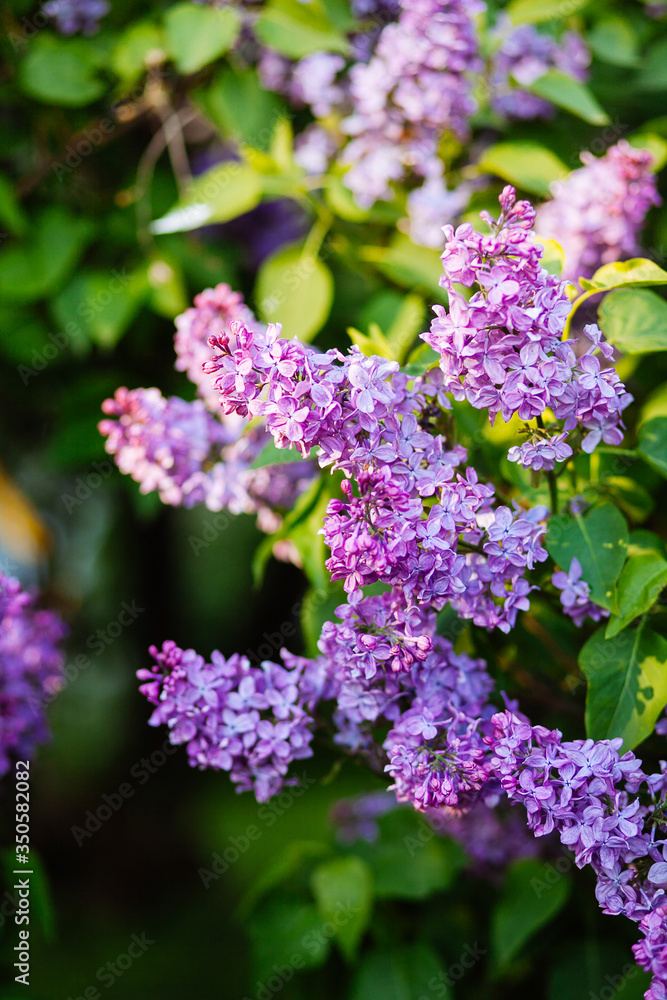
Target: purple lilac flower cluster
{"x":576,"y":596}
{"x":523,"y":56}
{"x":189,"y":452}
{"x":596,"y":214}
{"x":250,"y":721}
{"x":590,"y":795}
{"x":31,"y":671}
{"x":501,"y":349}
{"x":417,"y":85}
{"x":415,"y":523}
{"x":72,"y":16}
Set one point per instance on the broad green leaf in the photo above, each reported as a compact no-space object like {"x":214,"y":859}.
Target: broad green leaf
{"x":639,"y":586}
{"x":614,"y":40}
{"x":529,"y":901}
{"x":404,"y":973}
{"x":283,"y":928}
{"x":655,"y":405}
{"x":35,"y":269}
{"x":222,"y":193}
{"x":653,"y":75}
{"x":652,"y":443}
{"x":168,"y":294}
{"x":566,"y":92}
{"x":626,"y":274}
{"x":128,"y":59}
{"x":341,"y":201}
{"x":588,"y":968}
{"x":525,"y":164}
{"x":536,"y":11}
{"x":244,"y":109}
{"x":292,"y":859}
{"x":407,"y":325}
{"x":553,"y":257}
{"x":301,"y":527}
{"x":372,"y":345}
{"x":634,"y":499}
{"x":410,"y":861}
{"x":408,"y":265}
{"x":599,"y":540}
{"x":319,"y":606}
{"x":296,"y":290}
{"x":297,"y":30}
{"x":635,"y":320}
{"x":271,"y":455}
{"x":103,"y":304}
{"x":343,"y":891}
{"x":61,"y":71}
{"x":197,"y":35}
{"x":627,"y":684}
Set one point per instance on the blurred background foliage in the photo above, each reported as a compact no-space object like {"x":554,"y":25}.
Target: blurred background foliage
{"x":88,"y":295}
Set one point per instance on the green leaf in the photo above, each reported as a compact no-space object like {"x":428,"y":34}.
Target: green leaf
{"x":528,"y":902}
{"x":283,"y":929}
{"x":639,"y":586}
{"x":652,"y":443}
{"x":222,"y":193}
{"x":128,"y":59}
{"x":627,"y":684}
{"x":408,"y":265}
{"x":536,"y":11}
{"x":103,"y":304}
{"x":614,"y":40}
{"x":635,"y":320}
{"x":407,"y":325}
{"x":553,"y":257}
{"x":35,"y":269}
{"x":61,"y":71}
{"x":271,"y":455}
{"x":634,"y":499}
{"x":410,"y":861}
{"x":402,"y":973}
{"x":241,"y":107}
{"x":599,"y":540}
{"x":525,"y":164}
{"x":297,"y":30}
{"x":291,"y":860}
{"x":296,"y":290}
{"x":197,"y":35}
{"x":343,"y":891}
{"x":653,"y":74}
{"x":342,"y":202}
{"x":566,"y":92}
{"x":626,"y":274}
